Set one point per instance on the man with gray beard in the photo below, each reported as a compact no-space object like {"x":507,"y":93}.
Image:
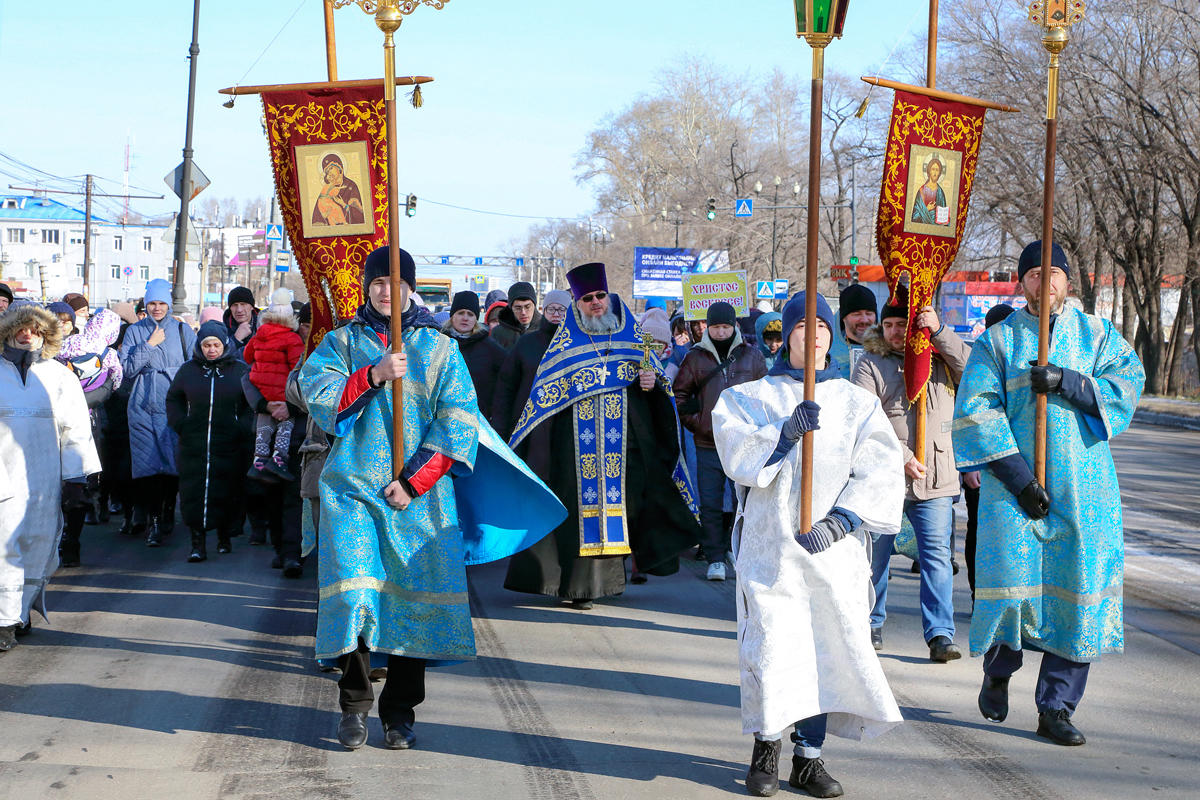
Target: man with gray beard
{"x":603,"y":434}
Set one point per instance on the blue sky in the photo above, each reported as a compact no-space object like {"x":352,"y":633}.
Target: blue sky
{"x":518,"y":85}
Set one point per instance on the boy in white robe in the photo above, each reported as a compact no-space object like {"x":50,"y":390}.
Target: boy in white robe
{"x":804,"y":596}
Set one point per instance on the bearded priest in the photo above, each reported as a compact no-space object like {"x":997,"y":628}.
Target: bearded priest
{"x":600,"y":428}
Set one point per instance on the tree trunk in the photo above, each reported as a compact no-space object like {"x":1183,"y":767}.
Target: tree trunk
{"x":1175,"y":347}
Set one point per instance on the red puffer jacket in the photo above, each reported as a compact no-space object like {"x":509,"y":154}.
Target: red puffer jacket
{"x":272,"y":352}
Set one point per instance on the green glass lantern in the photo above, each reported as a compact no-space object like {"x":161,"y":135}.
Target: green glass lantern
{"x":820,"y":20}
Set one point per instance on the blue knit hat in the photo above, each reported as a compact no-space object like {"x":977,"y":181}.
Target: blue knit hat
{"x":793,"y":314}
{"x":158,"y":291}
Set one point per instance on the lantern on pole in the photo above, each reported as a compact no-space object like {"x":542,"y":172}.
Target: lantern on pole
{"x":1054,"y":17}
{"x":818,"y":22}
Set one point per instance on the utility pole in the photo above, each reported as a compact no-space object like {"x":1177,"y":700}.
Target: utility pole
{"x":87,"y":236}
{"x":178,"y":292}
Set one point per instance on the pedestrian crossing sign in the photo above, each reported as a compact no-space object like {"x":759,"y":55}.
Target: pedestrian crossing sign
{"x":765,"y":290}
{"x":274,"y":233}
{"x":743,"y":207}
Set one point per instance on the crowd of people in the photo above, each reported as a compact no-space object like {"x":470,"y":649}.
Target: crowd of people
{"x":631,"y":441}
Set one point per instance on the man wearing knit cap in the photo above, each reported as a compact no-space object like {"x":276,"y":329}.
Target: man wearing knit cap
{"x":6,"y":297}
{"x":932,"y":482}
{"x":806,"y":662}
{"x":520,"y":366}
{"x":241,"y":317}
{"x":1049,"y":558}
{"x":719,"y":360}
{"x":394,"y":541}
{"x":600,"y":428}
{"x":520,"y":317}
{"x":856,"y":316}
{"x":483,"y":356}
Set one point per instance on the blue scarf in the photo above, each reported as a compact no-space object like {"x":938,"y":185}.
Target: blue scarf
{"x":783,"y":366}
{"x":415,"y":317}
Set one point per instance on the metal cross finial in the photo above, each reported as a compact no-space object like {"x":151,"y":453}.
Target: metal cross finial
{"x":1056,"y":13}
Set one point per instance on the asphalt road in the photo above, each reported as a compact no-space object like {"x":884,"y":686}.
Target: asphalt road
{"x":162,"y":679}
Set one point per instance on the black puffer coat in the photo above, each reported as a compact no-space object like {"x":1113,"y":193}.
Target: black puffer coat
{"x":515,"y":380}
{"x":484,"y":359}
{"x":207,"y":408}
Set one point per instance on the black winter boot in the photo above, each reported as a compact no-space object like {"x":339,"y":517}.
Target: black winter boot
{"x":154,"y":534}
{"x":68,"y":552}
{"x":762,"y":780}
{"x":199,"y":547}
{"x":223,"y":544}
{"x":809,"y":774}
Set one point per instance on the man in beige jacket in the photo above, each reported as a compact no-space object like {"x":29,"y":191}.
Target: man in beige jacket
{"x":932,"y":480}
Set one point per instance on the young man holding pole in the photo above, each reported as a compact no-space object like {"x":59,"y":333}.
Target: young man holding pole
{"x":396,"y":535}
{"x":1049,"y":557}
{"x":930,"y":477}
{"x":804,"y":650}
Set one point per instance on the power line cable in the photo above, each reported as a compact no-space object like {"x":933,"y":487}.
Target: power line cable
{"x":278,"y":33}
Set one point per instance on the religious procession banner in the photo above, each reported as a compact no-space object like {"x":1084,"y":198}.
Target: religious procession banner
{"x":588,"y":378}
{"x":329,"y":156}
{"x":701,"y":291}
{"x":928,"y":171}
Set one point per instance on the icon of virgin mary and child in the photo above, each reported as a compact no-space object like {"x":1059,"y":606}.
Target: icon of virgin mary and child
{"x":930,"y":206}
{"x":339,"y":202}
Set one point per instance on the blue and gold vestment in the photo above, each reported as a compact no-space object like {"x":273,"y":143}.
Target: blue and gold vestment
{"x":1054,"y":584}
{"x":396,"y":578}
{"x":589,"y":377}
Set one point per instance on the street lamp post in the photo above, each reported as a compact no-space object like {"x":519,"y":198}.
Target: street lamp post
{"x":819,"y":22}
{"x":178,"y":290}
{"x":758,"y":187}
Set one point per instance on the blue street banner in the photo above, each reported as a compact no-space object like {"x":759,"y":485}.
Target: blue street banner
{"x":658,"y":272}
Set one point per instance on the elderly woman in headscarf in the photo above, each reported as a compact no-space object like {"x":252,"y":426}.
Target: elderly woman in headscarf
{"x":207,"y":408}
{"x":46,"y":451}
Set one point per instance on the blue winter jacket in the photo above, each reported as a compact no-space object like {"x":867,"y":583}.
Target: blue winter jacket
{"x":152,"y":443}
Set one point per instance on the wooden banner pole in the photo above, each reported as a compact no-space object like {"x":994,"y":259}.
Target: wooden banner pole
{"x":388,"y":19}
{"x":330,"y":42}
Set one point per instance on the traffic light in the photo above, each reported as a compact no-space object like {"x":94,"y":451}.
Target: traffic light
{"x":410,"y":206}
{"x":710,"y":209}
{"x":854,"y":261}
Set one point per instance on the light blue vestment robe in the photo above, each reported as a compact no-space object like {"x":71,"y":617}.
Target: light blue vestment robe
{"x":397,"y":579}
{"x":1053,"y":584}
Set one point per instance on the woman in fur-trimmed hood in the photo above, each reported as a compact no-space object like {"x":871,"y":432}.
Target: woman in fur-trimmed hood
{"x":45,"y":440}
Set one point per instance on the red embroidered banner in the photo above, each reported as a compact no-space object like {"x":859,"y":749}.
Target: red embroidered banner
{"x":329,"y":155}
{"x":928,"y":170}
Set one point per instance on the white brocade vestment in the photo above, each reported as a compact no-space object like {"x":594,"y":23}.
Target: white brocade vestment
{"x":45,"y":438}
{"x":803,"y":619}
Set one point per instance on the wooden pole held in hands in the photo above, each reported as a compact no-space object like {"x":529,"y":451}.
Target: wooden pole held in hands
{"x":810,"y":279}
{"x":389,"y":23}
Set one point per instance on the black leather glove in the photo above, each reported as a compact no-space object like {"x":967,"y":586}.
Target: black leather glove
{"x":1034,"y":501}
{"x":802,"y":420}
{"x":1047,"y":379}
